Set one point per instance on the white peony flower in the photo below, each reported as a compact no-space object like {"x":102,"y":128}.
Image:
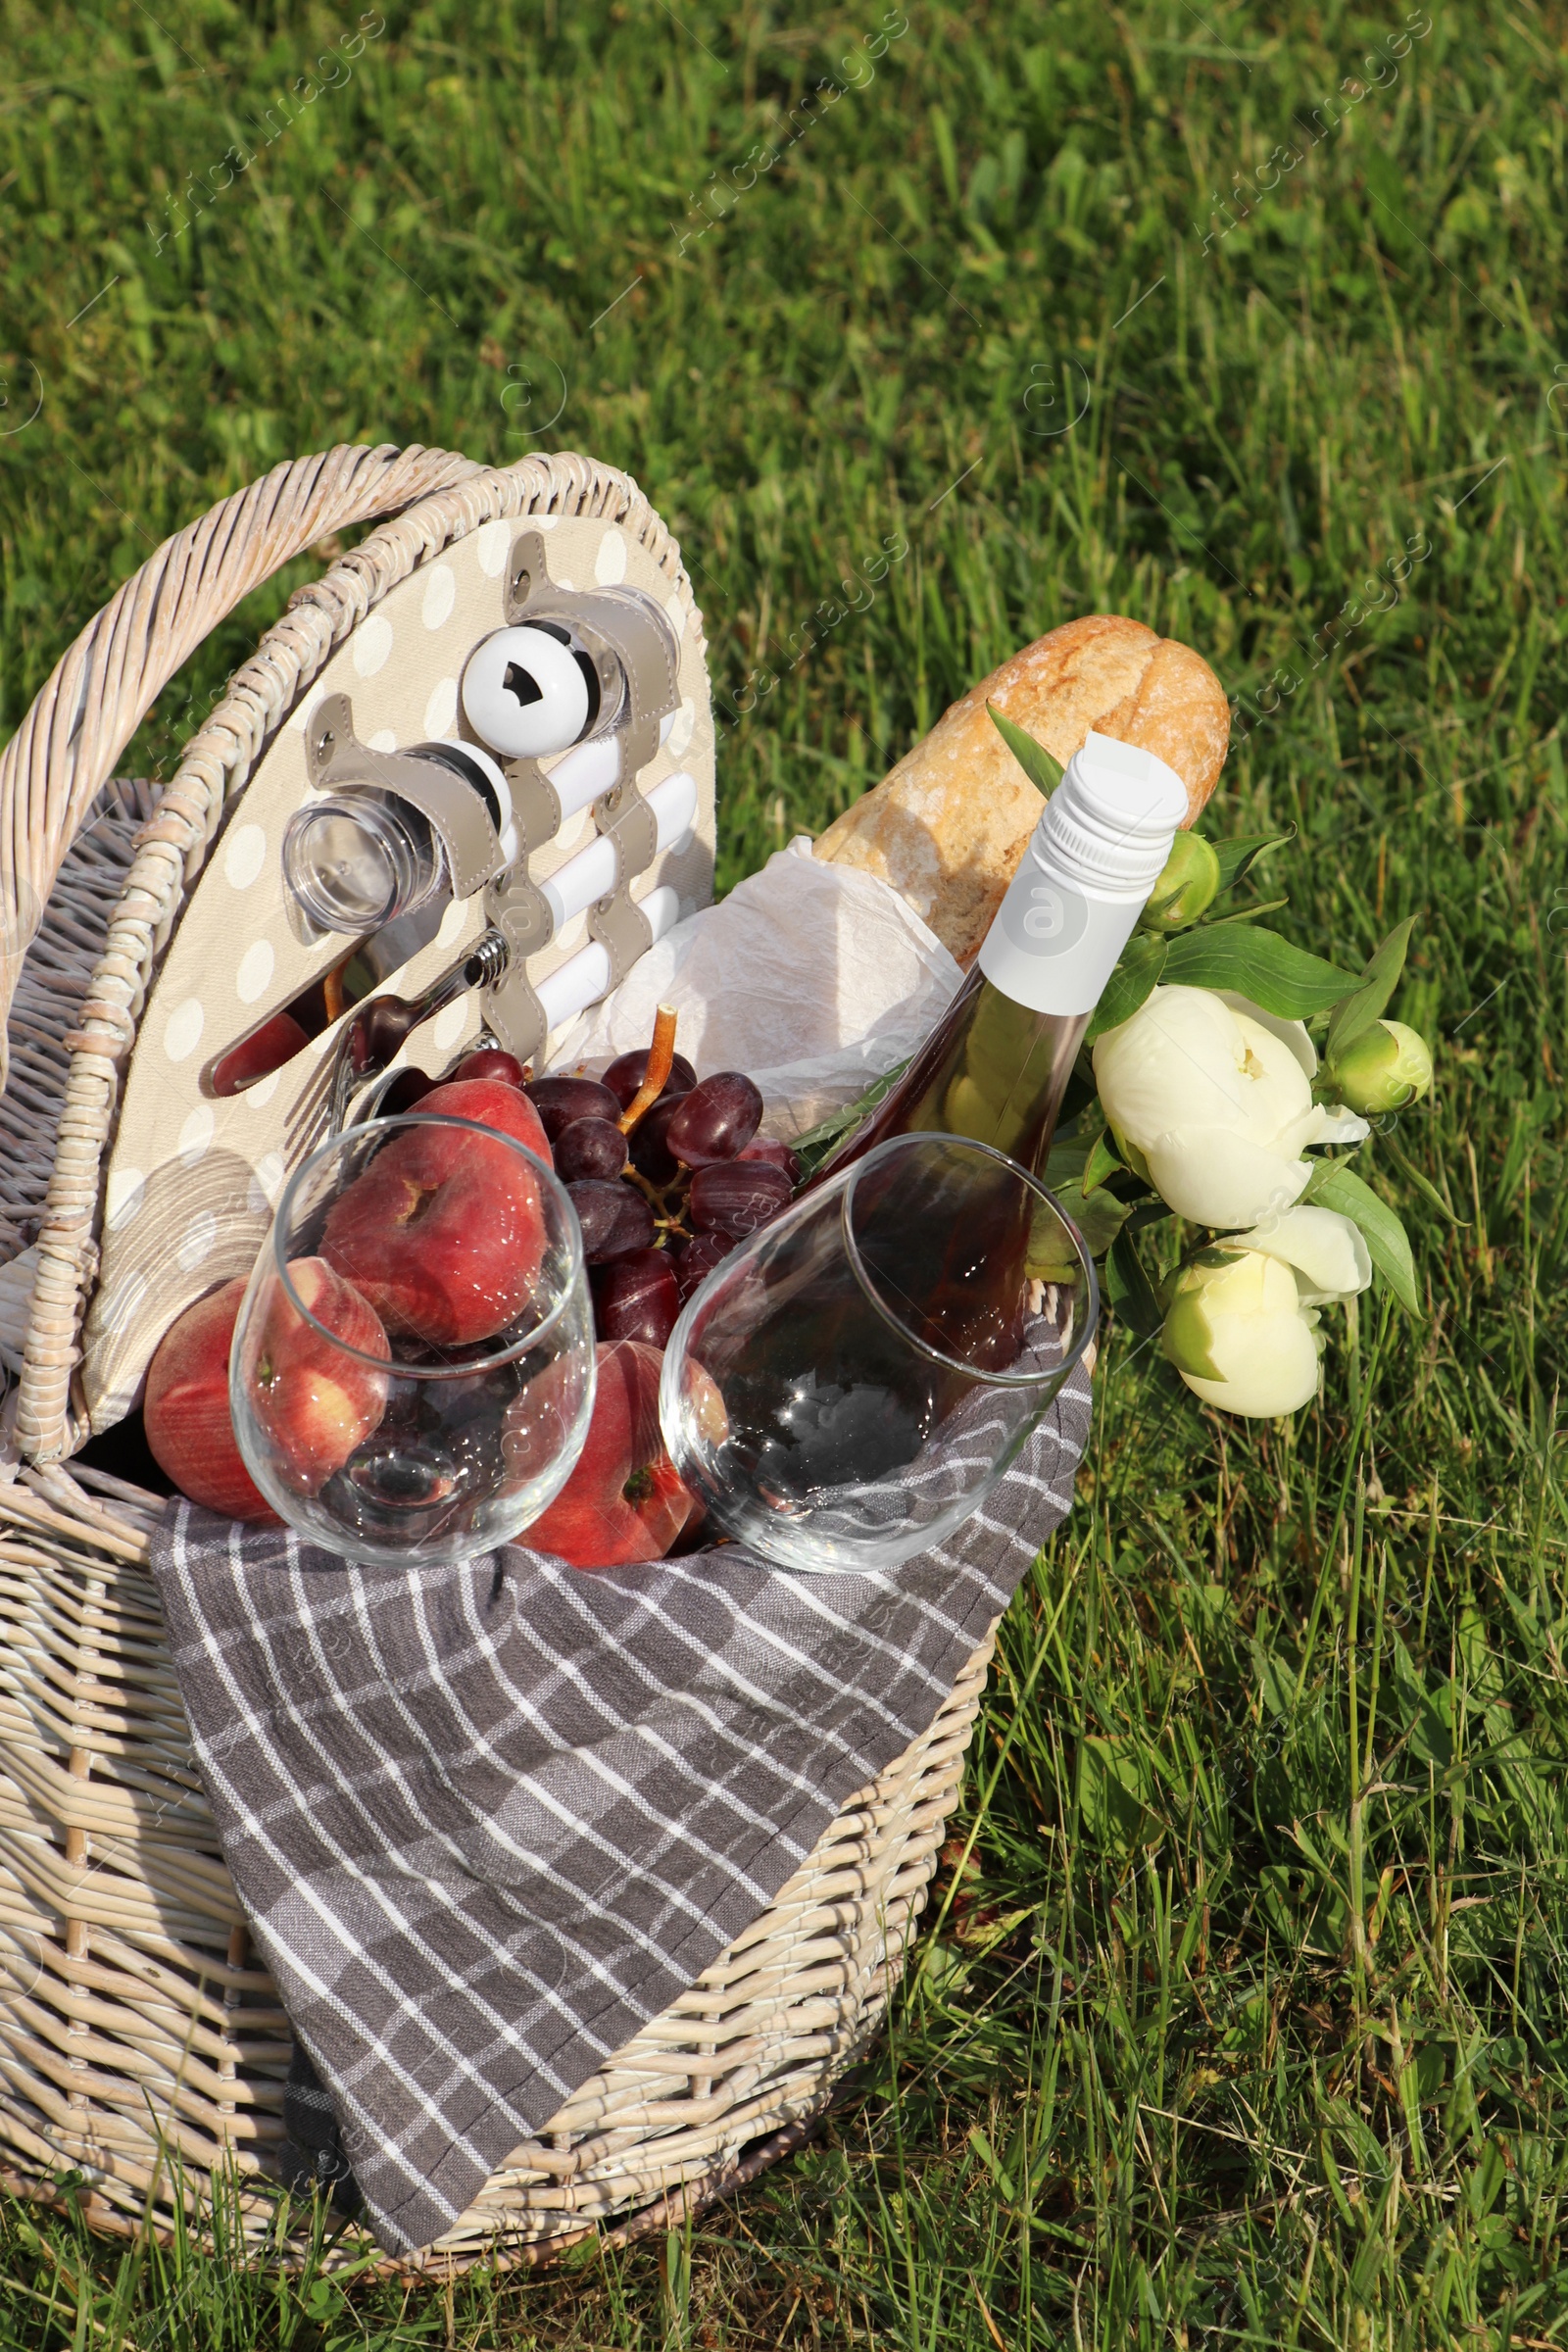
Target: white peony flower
{"x":1290,"y":1033}
{"x":1240,"y":1337}
{"x":1327,"y":1251}
{"x":1215,"y":1099}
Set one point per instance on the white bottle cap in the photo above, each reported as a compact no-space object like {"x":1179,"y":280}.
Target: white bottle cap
{"x":1085,"y":878}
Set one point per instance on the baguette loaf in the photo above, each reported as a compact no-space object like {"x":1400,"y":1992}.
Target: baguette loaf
{"x":947,"y":827}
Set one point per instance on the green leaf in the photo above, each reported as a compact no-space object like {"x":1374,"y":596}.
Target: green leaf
{"x":1423,"y":1184}
{"x":1102,"y":1164}
{"x":815,"y":1145}
{"x":1333,"y":1186}
{"x":992,"y":2162}
{"x":1136,"y":976}
{"x":1432,"y":1738}
{"x":1247,"y":914}
{"x":1358,"y":1011}
{"x":1067,"y":1161}
{"x":1115,"y":1792}
{"x":1099,"y":1216}
{"x":1129,"y":1290}
{"x":1042,"y":772}
{"x":1238,"y":857}
{"x":1075,"y":1172}
{"x":1258,"y":964}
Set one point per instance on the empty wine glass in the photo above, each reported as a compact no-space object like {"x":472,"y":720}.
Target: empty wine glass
{"x":845,"y":1386}
{"x":413,"y":1369}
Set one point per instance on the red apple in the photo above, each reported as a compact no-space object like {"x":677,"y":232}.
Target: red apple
{"x":314,"y":1402}
{"x":444,"y":1232}
{"x":623,"y":1503}
{"x":186,"y":1409}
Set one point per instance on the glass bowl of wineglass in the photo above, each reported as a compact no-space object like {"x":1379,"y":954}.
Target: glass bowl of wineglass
{"x":845,"y":1386}
{"x":413,"y":1369}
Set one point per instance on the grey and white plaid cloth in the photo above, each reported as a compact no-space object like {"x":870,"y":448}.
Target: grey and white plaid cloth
{"x":488,"y":1820}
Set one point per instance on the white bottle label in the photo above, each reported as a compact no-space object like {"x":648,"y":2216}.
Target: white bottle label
{"x":1053,"y":946}
{"x":1085,"y":879}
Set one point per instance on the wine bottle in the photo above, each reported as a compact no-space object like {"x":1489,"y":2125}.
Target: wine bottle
{"x":840,"y":1405}
{"x":997,"y":1064}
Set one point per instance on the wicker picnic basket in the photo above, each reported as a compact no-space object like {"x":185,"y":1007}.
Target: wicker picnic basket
{"x":141,"y":2049}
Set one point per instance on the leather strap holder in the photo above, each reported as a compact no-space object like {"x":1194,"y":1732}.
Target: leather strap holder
{"x":622,"y":629}
{"x":535,"y":803}
{"x":514,"y":1014}
{"x":617,"y":921}
{"x":623,"y":930}
{"x":520,"y":912}
{"x":334,"y":758}
{"x":634,"y":655}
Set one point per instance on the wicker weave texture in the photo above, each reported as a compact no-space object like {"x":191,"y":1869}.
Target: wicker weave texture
{"x":133,"y":2023}
{"x":47,"y":1005}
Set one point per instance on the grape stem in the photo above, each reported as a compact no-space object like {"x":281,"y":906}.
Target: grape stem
{"x":332,"y":996}
{"x":655,"y":1195}
{"x":660,"y":1061}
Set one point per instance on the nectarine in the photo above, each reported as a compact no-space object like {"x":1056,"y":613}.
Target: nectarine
{"x":443,"y":1232}
{"x":315,"y":1404}
{"x":186,"y":1410}
{"x":491,"y":1103}
{"x":623,"y":1503}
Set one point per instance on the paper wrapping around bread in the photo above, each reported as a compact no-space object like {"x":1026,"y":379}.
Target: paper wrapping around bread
{"x":950,"y":823}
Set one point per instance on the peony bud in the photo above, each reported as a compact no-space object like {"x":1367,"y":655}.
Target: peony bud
{"x":1386,"y":1068}
{"x":1239,"y":1336}
{"x":1187,"y":884}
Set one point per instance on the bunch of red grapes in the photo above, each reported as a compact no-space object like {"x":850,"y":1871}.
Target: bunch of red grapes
{"x":662,"y":1206}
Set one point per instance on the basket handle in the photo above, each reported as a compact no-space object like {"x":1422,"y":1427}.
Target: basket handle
{"x":104,"y":686}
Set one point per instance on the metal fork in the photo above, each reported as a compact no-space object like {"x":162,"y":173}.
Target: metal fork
{"x":370,"y":1039}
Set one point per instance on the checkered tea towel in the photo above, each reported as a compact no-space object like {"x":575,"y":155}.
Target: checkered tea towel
{"x":488,"y":1820}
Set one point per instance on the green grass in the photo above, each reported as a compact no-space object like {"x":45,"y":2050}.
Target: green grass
{"x":1245,"y":2020}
